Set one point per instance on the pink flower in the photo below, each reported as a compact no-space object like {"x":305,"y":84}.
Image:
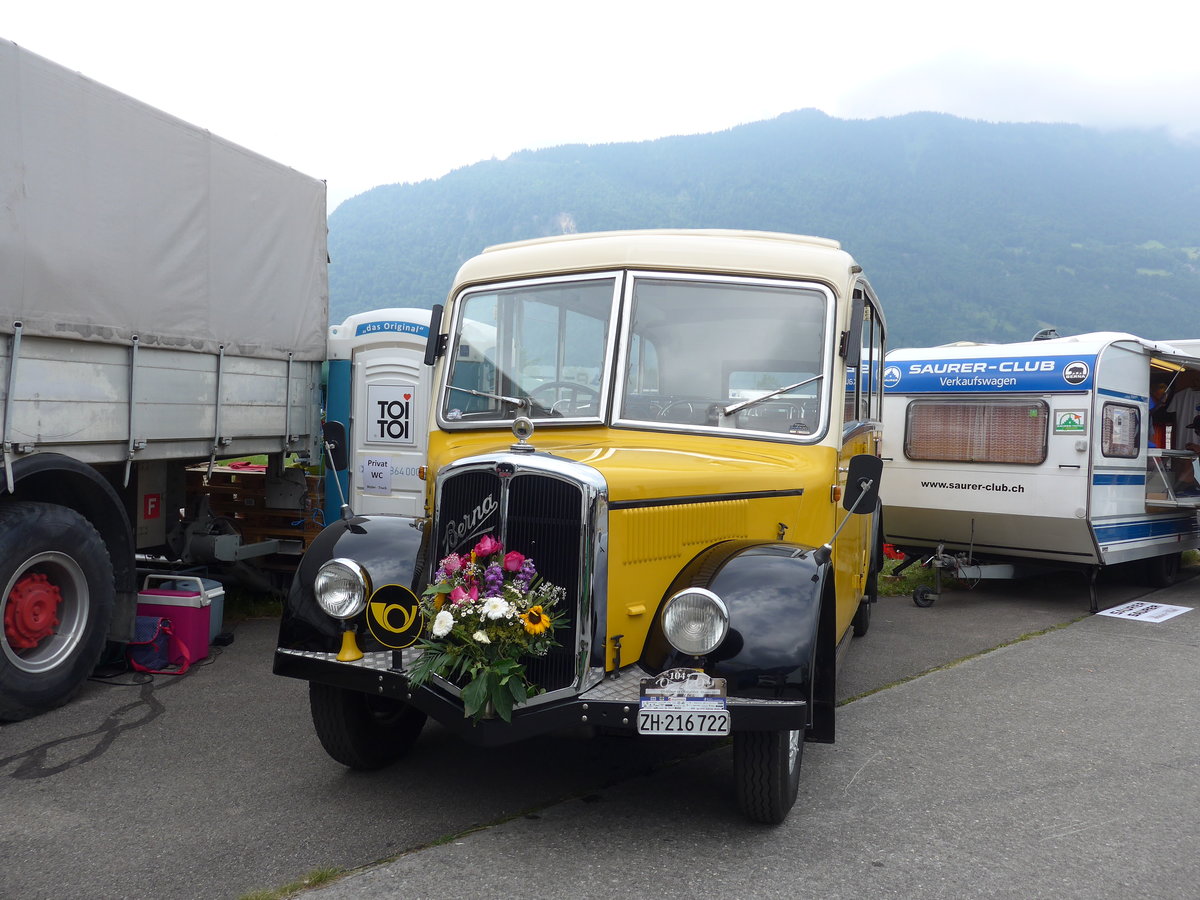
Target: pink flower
{"x":513,"y":560}
{"x":458,"y":595}
{"x":452,"y":563}
{"x":488,"y":546}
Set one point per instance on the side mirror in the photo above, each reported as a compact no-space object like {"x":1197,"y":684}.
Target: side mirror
{"x":334,"y":436}
{"x":435,"y":344}
{"x":862,"y":483}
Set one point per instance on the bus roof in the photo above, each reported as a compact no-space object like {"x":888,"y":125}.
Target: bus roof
{"x":769,"y":254}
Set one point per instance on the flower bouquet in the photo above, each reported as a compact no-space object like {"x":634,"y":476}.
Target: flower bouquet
{"x":485,"y":611}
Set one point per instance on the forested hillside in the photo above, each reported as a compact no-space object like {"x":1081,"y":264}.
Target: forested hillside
{"x":968,"y":230}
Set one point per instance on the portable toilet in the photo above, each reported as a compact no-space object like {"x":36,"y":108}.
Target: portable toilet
{"x":378,"y":386}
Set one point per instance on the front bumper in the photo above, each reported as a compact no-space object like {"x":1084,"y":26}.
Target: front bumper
{"x":613,"y":703}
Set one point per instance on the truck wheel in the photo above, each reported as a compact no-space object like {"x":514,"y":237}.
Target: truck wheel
{"x":362,"y":731}
{"x":56,"y":605}
{"x":767,"y":767}
{"x":1162,"y":571}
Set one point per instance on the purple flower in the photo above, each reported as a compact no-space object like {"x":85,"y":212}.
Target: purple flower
{"x":525,"y":577}
{"x":493,"y":581}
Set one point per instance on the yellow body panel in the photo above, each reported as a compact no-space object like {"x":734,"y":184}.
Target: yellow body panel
{"x":648,"y":545}
{"x":779,"y":491}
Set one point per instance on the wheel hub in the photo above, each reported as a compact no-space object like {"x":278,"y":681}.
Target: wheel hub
{"x":31,"y":614}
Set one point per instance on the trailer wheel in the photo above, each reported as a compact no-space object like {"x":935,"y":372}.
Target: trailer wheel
{"x":1163,"y":571}
{"x":924,"y":596}
{"x":56,"y":605}
{"x":363,"y":731}
{"x":767,"y":767}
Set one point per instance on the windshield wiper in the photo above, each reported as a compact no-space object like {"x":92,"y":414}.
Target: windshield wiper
{"x":518,"y":402}
{"x":738,"y":407}
{"x":531,"y":406}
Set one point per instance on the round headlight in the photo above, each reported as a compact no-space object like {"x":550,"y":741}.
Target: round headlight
{"x":695,"y":621}
{"x":341,"y":588}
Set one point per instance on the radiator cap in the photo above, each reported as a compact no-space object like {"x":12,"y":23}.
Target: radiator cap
{"x":522,"y":429}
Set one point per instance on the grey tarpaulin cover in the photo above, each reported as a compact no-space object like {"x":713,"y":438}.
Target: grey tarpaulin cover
{"x":117,"y":219}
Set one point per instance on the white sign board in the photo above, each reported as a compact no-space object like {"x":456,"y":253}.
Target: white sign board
{"x":1142,"y":611}
{"x":377,"y":475}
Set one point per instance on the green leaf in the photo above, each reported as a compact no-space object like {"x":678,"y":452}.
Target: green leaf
{"x":517,"y":690}
{"x":503,"y":705}
{"x":475,"y":696}
{"x":429,"y":663}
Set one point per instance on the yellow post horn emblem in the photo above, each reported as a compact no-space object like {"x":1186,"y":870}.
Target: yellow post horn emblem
{"x":394,"y":617}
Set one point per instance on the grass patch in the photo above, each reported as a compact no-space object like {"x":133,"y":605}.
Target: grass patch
{"x":902,"y":585}
{"x":313,"y":879}
{"x":963,"y":659}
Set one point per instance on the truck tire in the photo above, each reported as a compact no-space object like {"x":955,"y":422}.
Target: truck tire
{"x":767,"y":768}
{"x":363,"y":731}
{"x":56,"y":604}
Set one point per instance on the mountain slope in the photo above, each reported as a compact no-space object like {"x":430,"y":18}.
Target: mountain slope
{"x":968,"y":230}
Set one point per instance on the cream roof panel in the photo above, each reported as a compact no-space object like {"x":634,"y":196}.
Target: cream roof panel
{"x":715,"y":251}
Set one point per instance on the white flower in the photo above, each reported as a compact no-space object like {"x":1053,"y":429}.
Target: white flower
{"x":443,"y":623}
{"x":481,"y":637}
{"x":496,"y":608}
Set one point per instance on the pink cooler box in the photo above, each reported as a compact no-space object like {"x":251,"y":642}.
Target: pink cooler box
{"x":190,"y":610}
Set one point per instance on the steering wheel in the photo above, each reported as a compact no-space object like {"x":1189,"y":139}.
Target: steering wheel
{"x":571,"y":396}
{"x":692,"y":409}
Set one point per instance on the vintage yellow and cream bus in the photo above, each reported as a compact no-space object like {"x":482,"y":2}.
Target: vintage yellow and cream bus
{"x":652,"y":481}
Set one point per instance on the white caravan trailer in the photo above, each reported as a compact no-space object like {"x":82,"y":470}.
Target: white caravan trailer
{"x":1038,"y":454}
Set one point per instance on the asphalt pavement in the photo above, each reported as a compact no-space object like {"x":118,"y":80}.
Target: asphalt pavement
{"x":1001,"y":743}
{"x":1063,"y":765}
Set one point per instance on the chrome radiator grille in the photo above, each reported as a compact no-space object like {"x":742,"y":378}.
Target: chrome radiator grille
{"x":536,"y":514}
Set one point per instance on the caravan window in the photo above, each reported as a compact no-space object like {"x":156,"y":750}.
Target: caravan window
{"x":992,"y":431}
{"x":1120,"y":431}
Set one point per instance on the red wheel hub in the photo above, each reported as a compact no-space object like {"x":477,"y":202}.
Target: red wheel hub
{"x":32,"y":611}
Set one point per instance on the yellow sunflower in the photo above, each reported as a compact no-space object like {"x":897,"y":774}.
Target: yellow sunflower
{"x":535,"y":620}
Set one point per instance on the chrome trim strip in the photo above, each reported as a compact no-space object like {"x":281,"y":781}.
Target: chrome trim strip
{"x":704,"y":498}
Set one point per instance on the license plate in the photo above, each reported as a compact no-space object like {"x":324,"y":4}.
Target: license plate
{"x":683,"y":701}
{"x":709,"y":722}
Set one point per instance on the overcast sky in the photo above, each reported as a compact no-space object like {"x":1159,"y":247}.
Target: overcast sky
{"x":363,"y":92}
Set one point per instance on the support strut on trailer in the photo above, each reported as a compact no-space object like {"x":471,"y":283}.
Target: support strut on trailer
{"x":963,"y":567}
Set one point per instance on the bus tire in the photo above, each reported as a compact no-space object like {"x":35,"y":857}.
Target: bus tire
{"x":362,"y":731}
{"x":767,"y":767}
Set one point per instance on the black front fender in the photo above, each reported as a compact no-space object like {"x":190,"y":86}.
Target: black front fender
{"x":388,"y":547}
{"x":773,"y":593}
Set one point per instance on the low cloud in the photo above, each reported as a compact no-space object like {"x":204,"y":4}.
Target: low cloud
{"x":1005,"y":92}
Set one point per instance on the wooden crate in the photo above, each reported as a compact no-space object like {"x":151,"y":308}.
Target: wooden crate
{"x":240,"y":495}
